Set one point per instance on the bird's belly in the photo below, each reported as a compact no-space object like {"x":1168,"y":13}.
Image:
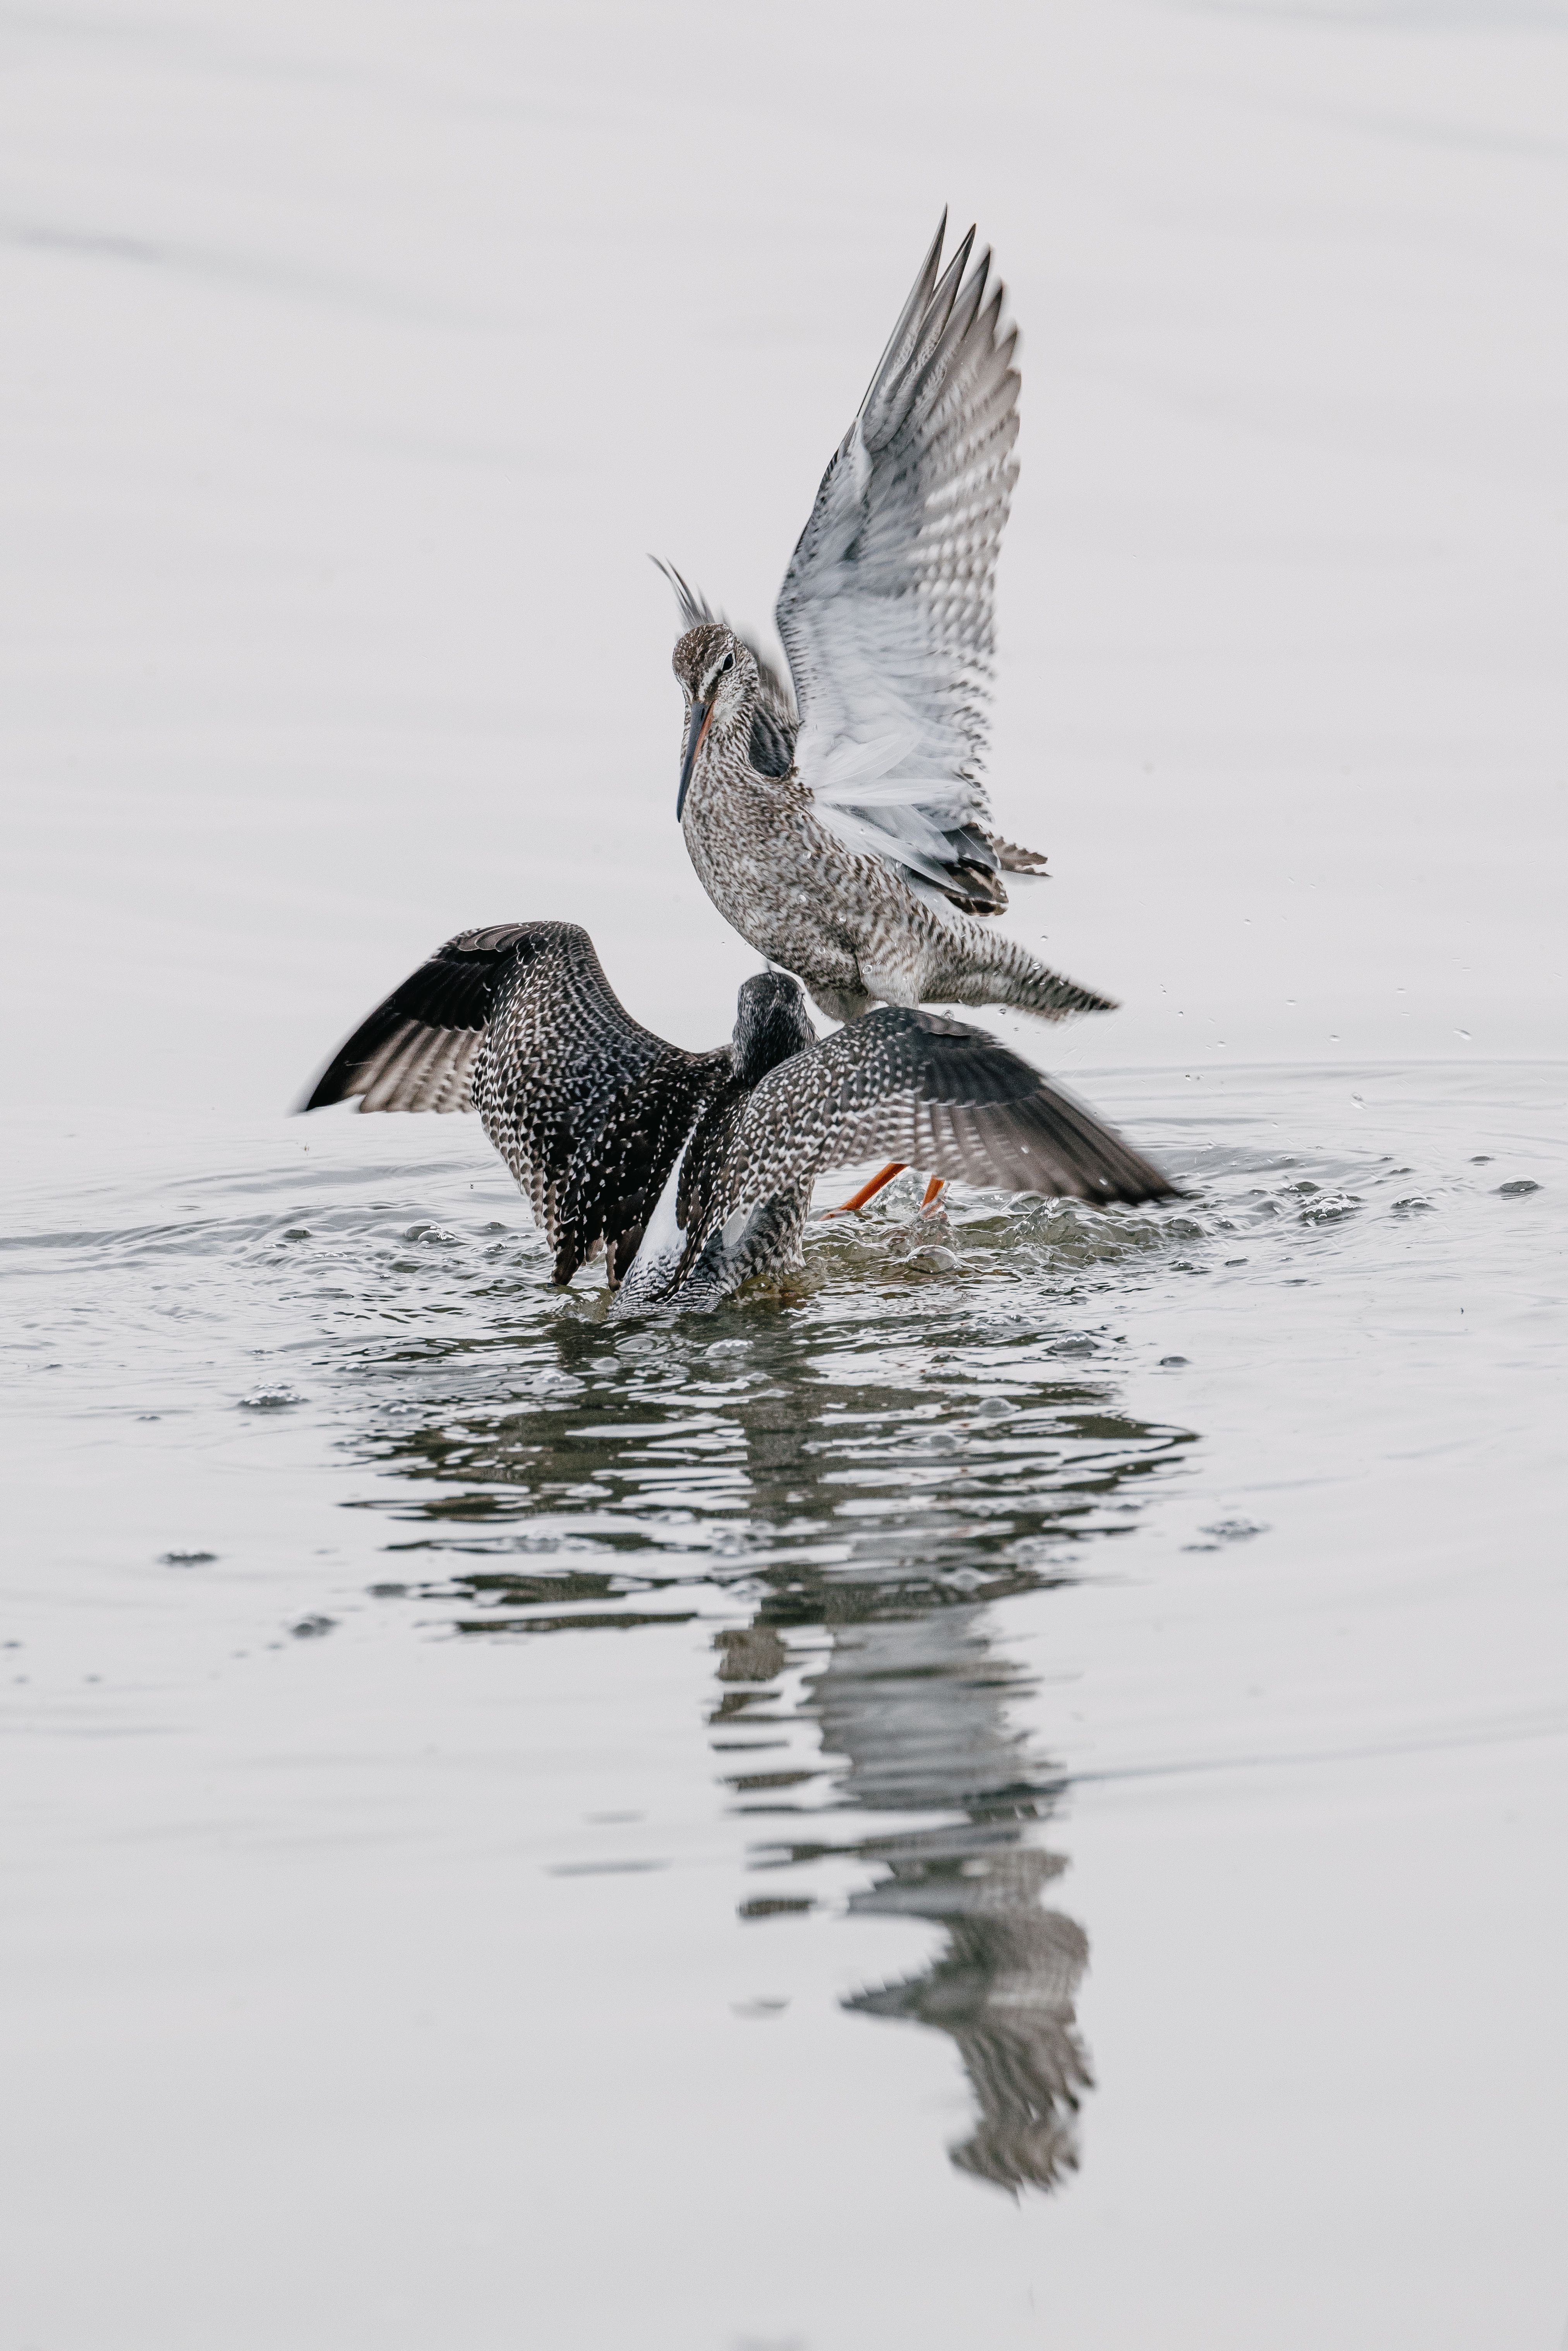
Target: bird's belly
{"x":785,"y":919}
{"x":663,"y":1242}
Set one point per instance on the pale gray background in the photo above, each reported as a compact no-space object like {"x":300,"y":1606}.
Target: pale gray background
{"x":360,"y":352}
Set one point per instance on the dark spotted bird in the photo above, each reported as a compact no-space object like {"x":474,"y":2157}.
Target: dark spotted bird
{"x":839,"y":822}
{"x":691,"y":1171}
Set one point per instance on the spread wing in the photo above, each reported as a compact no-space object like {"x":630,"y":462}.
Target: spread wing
{"x":587,"y":1108}
{"x":886,"y":609}
{"x":417,"y":1049}
{"x":937,"y":1095}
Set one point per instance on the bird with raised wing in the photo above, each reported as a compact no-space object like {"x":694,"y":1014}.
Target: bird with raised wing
{"x":838,"y":822}
{"x":692,"y":1172}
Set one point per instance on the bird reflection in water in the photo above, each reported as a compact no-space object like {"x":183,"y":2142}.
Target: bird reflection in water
{"x":875,"y":1512}
{"x":915,"y":1705}
{"x":911,"y":1702}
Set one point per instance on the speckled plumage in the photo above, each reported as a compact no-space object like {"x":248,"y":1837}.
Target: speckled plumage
{"x":694,"y":1171}
{"x":587,"y":1109}
{"x":846,"y":921}
{"x":843,"y":828}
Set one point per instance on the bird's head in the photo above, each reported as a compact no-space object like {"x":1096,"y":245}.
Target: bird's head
{"x":771,"y":1024}
{"x":719,"y":678}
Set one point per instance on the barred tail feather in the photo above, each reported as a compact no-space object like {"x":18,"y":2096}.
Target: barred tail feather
{"x":994,"y":969}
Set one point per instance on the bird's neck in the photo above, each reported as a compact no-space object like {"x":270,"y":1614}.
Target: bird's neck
{"x":723,"y":767}
{"x":720,"y":763}
{"x":727,"y":737}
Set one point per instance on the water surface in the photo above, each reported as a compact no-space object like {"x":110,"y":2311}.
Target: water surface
{"x":1019,"y":1749}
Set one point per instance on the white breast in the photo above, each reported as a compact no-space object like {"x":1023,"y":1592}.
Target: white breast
{"x":663,"y":1239}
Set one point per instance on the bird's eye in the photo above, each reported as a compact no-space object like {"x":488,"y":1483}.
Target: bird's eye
{"x":728,"y":661}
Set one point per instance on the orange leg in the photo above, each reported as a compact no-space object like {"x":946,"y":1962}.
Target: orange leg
{"x":933,"y":1193}
{"x":867,"y":1191}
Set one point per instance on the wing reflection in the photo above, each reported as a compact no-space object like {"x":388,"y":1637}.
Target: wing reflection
{"x":915,"y":1709}
{"x":989,"y":1459}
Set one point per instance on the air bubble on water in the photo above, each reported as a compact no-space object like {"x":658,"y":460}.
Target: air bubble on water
{"x":1330,"y":1208}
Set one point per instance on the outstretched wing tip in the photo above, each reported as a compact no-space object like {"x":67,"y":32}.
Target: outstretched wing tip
{"x":416,"y":1049}
{"x":333,"y":1083}
{"x":953,"y":1101}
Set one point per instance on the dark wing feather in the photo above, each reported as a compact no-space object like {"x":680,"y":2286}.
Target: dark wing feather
{"x":774,"y":725}
{"x":417,"y":1049}
{"x":937,"y":1095}
{"x":587,"y":1108}
{"x":1014,"y":860}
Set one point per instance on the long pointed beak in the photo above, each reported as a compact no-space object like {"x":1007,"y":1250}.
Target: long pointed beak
{"x":697,"y":729}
